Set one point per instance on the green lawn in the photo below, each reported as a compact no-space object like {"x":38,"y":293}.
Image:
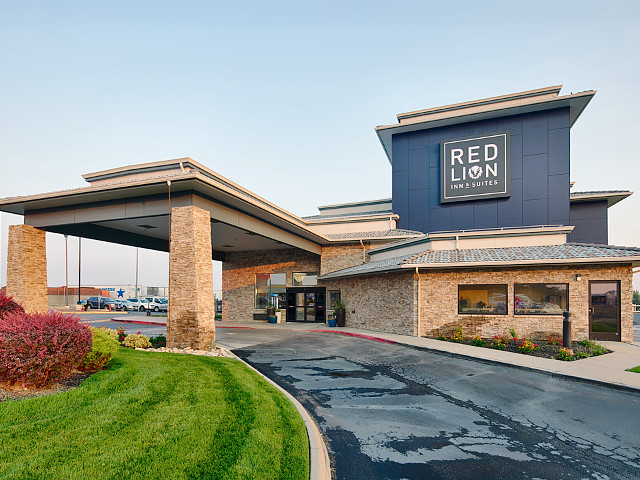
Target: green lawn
{"x":157,"y":415}
{"x":634,"y":369}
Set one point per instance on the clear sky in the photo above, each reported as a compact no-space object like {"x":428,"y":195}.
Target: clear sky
{"x":283,"y":97}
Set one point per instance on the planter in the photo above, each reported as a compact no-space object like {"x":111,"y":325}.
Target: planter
{"x":273,"y":319}
{"x":279,"y":317}
{"x":340,"y":315}
{"x":332,"y":322}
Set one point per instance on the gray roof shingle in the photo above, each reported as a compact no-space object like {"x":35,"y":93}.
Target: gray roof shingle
{"x":487,"y":256}
{"x":347,"y":215}
{"x":374,"y":234}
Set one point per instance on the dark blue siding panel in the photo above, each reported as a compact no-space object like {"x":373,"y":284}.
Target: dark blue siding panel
{"x":487,"y":126}
{"x":400,"y":146}
{"x":539,"y":176}
{"x":559,"y":118}
{"x":535,"y":180}
{"x":485,"y":214}
{"x":513,"y":124}
{"x":516,"y":156}
{"x":440,"y":219}
{"x":559,"y":151}
{"x":535,"y":212}
{"x":559,"y":199}
{"x":418,"y":140}
{"x":510,"y":209}
{"x":419,"y":210}
{"x":434,"y":155}
{"x":590,"y":221}
{"x":534,"y":131}
{"x":400,"y":197}
{"x":434,"y":187}
{"x":418,"y":169}
{"x":462,"y":216}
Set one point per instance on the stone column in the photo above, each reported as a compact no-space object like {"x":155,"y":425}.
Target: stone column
{"x":27,"y":267}
{"x":191,"y":318}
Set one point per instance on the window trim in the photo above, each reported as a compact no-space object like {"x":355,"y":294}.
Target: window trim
{"x":515,"y":312}
{"x":506,"y":289}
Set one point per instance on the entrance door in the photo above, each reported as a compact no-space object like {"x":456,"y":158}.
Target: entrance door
{"x":305,"y":304}
{"x":604,"y":310}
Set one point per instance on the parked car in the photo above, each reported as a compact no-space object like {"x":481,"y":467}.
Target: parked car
{"x":157,"y":304}
{"x":139,"y":304}
{"x":100,"y":303}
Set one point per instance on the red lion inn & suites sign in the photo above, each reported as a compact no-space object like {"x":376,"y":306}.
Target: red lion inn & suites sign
{"x":475,"y":167}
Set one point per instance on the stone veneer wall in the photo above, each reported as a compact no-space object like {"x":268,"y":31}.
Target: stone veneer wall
{"x":191,"y":316}
{"x":383,"y":302}
{"x":27,"y":267}
{"x":337,"y":257}
{"x":238,"y":277}
{"x":439,"y":301}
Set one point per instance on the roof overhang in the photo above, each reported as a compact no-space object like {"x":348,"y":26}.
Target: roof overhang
{"x":484,"y":109}
{"x":408,"y":267}
{"x":610,"y":197}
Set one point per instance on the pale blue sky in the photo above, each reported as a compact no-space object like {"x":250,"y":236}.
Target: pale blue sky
{"x":283,"y":97}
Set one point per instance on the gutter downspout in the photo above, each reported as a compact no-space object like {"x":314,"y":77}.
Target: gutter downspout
{"x":416,"y":330}
{"x":364,"y":252}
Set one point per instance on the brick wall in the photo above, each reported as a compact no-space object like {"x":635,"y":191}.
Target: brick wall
{"x":337,"y":257}
{"x":191,"y":318}
{"x":439,"y":302}
{"x":27,"y":267}
{"x":238,"y":277}
{"x":383,"y":302}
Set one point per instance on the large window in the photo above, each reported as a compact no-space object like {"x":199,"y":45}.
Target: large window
{"x":270,"y":288}
{"x":540,"y":298}
{"x":482,"y":299}
{"x":305,"y":279}
{"x":334,"y":298}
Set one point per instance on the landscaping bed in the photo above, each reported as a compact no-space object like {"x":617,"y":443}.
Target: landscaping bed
{"x":157,"y":415}
{"x":549,"y":348}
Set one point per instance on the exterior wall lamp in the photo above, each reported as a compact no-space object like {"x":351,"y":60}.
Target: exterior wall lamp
{"x":578,"y":277}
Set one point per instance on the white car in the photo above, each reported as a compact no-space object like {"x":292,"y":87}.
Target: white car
{"x":139,"y":304}
{"x":157,"y":304}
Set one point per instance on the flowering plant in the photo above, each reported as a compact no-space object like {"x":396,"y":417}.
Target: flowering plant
{"x":526,"y":346}
{"x":555,"y":340}
{"x":565,"y":354}
{"x":457,"y":336}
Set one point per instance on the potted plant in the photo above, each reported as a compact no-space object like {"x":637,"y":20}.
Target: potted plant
{"x":271,"y":310}
{"x":339,"y":312}
{"x":332,"y":321}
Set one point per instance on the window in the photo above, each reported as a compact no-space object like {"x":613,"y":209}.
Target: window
{"x":270,"y":288}
{"x":305,"y":279}
{"x":482,"y":299}
{"x":334,"y":298}
{"x":540,"y":298}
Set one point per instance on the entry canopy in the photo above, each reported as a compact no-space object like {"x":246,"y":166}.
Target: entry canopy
{"x":130,"y":206}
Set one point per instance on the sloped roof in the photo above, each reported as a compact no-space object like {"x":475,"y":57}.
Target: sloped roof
{"x":507,"y":256}
{"x":348,"y":215}
{"x":395,"y":233}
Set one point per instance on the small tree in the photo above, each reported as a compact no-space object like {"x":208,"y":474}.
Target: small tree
{"x":636,"y":297}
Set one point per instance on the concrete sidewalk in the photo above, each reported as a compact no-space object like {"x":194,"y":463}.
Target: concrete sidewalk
{"x":606,"y":370}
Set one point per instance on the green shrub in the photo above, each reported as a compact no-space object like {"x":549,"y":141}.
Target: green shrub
{"x":158,"y":341}
{"x":104,"y":348}
{"x":478,"y":342}
{"x":136,"y":340}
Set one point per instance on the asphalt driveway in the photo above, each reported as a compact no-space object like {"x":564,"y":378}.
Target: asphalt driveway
{"x":394,"y":412}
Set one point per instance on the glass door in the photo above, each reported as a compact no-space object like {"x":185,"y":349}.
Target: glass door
{"x":604,"y":310}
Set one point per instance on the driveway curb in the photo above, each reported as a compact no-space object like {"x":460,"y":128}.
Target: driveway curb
{"x":319,"y":463}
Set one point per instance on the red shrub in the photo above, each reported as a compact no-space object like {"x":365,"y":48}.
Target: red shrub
{"x":8,"y":305}
{"x":39,"y":349}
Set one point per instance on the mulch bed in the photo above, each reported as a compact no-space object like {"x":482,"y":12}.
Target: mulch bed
{"x":544,"y":350}
{"x":16,"y":392}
